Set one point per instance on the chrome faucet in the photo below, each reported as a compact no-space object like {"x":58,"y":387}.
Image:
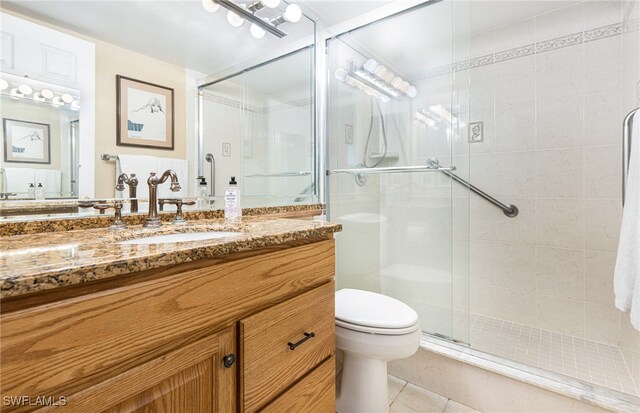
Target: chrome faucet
{"x":152,"y":219}
{"x":132,"y":181}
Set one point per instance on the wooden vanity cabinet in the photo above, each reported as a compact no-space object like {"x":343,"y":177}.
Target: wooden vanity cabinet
{"x":161,"y":340}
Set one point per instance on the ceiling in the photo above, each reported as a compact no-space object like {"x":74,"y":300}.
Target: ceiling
{"x":182,"y":33}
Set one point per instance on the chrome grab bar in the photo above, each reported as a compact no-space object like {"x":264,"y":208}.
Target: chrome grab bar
{"x":389,"y":169}
{"x":209,"y":158}
{"x":278,"y":174}
{"x":509,"y":210}
{"x":627,"y":129}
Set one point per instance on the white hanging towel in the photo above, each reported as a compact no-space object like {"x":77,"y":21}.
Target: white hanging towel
{"x":627,"y":271}
{"x":141,"y":165}
{"x":17,"y":180}
{"x":181,"y":168}
{"x":51,"y":180}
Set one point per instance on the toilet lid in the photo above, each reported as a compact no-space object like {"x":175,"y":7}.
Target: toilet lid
{"x":370,"y":309}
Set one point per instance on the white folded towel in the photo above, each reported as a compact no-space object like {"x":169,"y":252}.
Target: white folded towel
{"x":627,"y":270}
{"x":181,"y":168}
{"x":17,"y":180}
{"x":51,"y":180}
{"x":141,"y":165}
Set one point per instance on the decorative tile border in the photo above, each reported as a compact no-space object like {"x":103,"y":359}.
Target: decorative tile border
{"x":211,"y":97}
{"x":534,"y":48}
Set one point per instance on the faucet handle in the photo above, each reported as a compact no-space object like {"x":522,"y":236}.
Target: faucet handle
{"x":118,"y":223}
{"x":179,"y":218}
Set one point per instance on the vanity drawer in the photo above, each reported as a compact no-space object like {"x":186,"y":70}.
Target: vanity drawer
{"x":285,"y":342}
{"x":316,"y":392}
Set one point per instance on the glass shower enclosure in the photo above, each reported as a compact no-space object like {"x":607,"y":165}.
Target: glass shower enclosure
{"x":394,"y":132}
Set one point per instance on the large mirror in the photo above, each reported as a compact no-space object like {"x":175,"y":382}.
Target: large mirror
{"x":259,"y":127}
{"x":85,"y":156}
{"x":39,"y":153}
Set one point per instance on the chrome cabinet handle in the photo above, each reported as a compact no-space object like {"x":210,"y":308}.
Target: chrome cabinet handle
{"x":307,"y":336}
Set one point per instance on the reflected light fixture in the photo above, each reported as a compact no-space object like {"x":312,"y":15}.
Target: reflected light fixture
{"x":15,"y":93}
{"x":234,"y":19}
{"x":210,"y":6}
{"x":238,"y":13}
{"x":256,"y":31}
{"x":66,"y":98}
{"x":3,"y":84}
{"x":46,"y":93}
{"x":38,"y":97}
{"x":57,"y":101}
{"x":25,"y":89}
{"x":75,"y":105}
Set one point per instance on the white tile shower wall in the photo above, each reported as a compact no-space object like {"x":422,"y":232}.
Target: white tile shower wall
{"x":549,"y":90}
{"x":630,"y":338}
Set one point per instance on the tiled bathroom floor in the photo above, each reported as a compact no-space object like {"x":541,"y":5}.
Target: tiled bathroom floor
{"x":406,"y":398}
{"x":576,"y":357}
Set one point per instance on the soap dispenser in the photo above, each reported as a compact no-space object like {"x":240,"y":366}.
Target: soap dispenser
{"x":232,"y":206}
{"x":39,"y":195}
{"x":203,"y":194}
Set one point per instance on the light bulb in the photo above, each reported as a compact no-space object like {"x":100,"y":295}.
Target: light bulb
{"x":57,"y":101}
{"x":396,"y":82}
{"x":46,"y":93}
{"x":3,"y":84}
{"x":370,"y":65}
{"x":75,"y":105}
{"x":351,"y":81}
{"x":25,"y":89}
{"x":380,"y":71}
{"x":388,"y":76}
{"x":385,"y":98}
{"x":38,"y":97}
{"x":293,"y":13}
{"x":412,"y":91}
{"x":210,"y":6}
{"x":234,"y":19}
{"x":15,"y":93}
{"x":272,"y":4}
{"x":256,"y":31}
{"x":67,"y":98}
{"x":340,"y":74}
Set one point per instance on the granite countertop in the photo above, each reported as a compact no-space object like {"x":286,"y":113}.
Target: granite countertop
{"x":38,"y":262}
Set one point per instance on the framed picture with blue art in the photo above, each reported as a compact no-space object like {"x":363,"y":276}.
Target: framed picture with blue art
{"x":26,"y":142}
{"x":144,"y":114}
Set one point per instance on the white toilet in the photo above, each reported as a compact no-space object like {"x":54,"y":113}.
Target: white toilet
{"x":371,"y":329}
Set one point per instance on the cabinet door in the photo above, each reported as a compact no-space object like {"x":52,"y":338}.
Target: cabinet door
{"x":193,"y":378}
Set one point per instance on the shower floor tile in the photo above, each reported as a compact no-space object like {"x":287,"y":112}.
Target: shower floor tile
{"x":587,"y":360}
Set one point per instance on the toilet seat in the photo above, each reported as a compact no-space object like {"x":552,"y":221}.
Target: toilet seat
{"x":375,"y":330}
{"x":374,"y":313}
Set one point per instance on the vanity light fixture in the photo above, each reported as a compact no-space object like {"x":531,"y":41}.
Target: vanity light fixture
{"x":260,"y":4}
{"x":385,"y":75}
{"x":237,"y":14}
{"x":210,"y":6}
{"x":25,"y":89}
{"x":348,"y":78}
{"x":15,"y":93}
{"x":234,"y":19}
{"x":46,"y":93}
{"x":292,"y":14}
{"x":66,"y":98}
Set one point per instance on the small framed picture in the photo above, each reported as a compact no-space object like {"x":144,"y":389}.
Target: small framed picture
{"x":144,"y":114}
{"x":26,"y":142}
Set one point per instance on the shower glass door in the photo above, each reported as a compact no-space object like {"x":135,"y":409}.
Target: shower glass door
{"x":405,"y":226}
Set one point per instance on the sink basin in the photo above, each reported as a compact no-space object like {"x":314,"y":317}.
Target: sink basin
{"x":188,"y":236}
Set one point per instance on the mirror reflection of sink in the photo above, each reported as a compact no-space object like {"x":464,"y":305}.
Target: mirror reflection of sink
{"x":188,"y":236}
